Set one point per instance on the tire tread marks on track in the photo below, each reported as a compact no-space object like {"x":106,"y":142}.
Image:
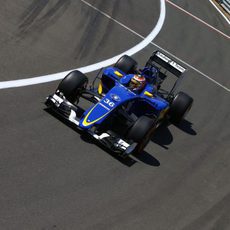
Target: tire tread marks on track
{"x":41,"y":14}
{"x":94,"y":21}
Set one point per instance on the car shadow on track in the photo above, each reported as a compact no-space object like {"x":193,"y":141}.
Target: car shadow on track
{"x":163,"y":137}
{"x":147,"y":158}
{"x":186,"y":126}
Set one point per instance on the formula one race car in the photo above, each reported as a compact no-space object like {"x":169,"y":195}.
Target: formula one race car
{"x":127,"y":104}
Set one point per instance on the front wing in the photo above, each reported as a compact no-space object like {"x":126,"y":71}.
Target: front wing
{"x":61,"y":106}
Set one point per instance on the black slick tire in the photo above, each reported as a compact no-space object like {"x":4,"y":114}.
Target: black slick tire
{"x":180,"y":106}
{"x":126,"y":64}
{"x":72,"y":84}
{"x":141,"y":133}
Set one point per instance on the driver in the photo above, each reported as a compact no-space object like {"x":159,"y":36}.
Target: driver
{"x":134,"y":82}
{"x":137,"y":83}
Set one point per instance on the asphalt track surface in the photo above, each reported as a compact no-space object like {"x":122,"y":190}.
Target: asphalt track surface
{"x":51,"y":177}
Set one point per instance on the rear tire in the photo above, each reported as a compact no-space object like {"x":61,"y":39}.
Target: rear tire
{"x":126,"y":64}
{"x":141,"y":133}
{"x":180,"y":106}
{"x":72,"y":84}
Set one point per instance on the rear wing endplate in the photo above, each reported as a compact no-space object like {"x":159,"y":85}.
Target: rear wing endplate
{"x":167,"y":63}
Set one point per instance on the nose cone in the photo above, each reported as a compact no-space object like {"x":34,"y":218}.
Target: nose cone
{"x":94,"y":115}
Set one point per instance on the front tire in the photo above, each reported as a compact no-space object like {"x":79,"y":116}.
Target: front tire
{"x":126,"y":64}
{"x":72,"y":84}
{"x":141,"y":133}
{"x":180,"y":106}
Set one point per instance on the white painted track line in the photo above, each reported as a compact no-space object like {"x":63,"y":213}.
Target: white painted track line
{"x":48,"y":78}
{"x":198,"y":19}
{"x":227,"y":20}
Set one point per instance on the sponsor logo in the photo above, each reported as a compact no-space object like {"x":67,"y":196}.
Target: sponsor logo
{"x":115,"y":97}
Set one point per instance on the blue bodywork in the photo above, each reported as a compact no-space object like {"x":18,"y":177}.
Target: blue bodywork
{"x":119,"y":94}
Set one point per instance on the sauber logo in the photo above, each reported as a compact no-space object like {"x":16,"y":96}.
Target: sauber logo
{"x":115,"y":97}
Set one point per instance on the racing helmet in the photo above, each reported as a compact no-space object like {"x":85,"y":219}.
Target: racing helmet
{"x":137,"y":82}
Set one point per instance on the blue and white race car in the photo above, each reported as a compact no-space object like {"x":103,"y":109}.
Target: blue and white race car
{"x":128,"y":104}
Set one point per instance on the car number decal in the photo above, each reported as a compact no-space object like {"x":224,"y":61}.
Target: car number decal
{"x":109,"y":103}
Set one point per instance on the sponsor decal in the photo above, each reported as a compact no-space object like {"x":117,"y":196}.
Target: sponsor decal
{"x":115,"y":97}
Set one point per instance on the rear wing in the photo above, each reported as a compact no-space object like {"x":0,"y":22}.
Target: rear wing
{"x":166,"y":63}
